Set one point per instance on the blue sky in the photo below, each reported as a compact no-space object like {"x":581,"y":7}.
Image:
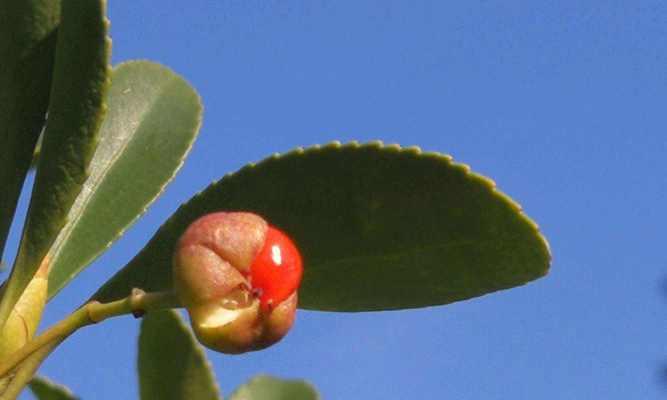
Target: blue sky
{"x":561,"y":103}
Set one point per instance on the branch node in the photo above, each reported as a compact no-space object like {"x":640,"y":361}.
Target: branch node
{"x":90,"y":312}
{"x":136,"y":300}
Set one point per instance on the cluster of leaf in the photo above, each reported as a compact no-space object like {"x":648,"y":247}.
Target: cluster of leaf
{"x":395,"y":227}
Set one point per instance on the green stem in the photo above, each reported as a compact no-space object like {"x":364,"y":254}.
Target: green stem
{"x":136,"y":303}
{"x":26,"y":370}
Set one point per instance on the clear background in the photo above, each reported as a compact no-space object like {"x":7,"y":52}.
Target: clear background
{"x":561,"y":103}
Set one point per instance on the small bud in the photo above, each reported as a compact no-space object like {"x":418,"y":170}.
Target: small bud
{"x":22,"y":323}
{"x":238,"y":278}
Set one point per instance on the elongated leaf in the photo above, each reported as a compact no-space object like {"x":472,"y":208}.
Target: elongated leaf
{"x":172,"y":364}
{"x":44,"y":389}
{"x":80,"y":80}
{"x":152,"y":120}
{"x":27,"y":48}
{"x":379,"y":227}
{"x":268,"y":388}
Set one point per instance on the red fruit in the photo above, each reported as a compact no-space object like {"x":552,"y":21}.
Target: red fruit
{"x":276,"y":271}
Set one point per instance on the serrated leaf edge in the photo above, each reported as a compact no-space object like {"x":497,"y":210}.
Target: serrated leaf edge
{"x":197,"y":126}
{"x":414,"y":151}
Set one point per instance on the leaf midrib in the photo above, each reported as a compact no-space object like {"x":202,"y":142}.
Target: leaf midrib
{"x":412,"y":250}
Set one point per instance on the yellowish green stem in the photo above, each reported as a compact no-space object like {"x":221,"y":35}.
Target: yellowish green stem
{"x":136,"y":303}
{"x":25,"y":371}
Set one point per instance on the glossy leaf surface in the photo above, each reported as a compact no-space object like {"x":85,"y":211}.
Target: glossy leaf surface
{"x":379,"y":227}
{"x":80,"y":80}
{"x":152,"y":120}
{"x":269,"y":388}
{"x":44,"y":389}
{"x":28,"y":30}
{"x":172,"y":364}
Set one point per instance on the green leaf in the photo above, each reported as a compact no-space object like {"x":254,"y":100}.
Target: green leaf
{"x":268,"y":388}
{"x":379,"y":228}
{"x":152,"y":120}
{"x":27,"y":48}
{"x":172,"y":364}
{"x":44,"y":389}
{"x":76,"y":108}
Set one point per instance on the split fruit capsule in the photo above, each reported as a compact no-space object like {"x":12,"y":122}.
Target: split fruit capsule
{"x":237,"y":276}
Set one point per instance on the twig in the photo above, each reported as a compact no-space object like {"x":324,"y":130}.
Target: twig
{"x":136,"y":303}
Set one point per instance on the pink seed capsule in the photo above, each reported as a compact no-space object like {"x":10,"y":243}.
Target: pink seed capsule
{"x":238,"y":278}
